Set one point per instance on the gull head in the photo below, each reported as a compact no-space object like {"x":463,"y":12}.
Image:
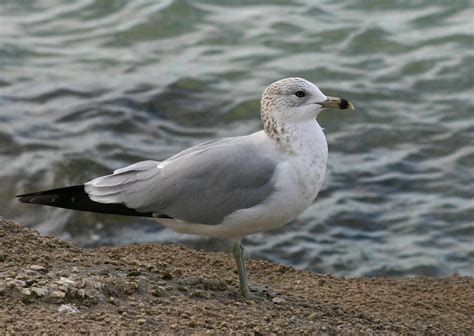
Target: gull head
{"x":296,"y":99}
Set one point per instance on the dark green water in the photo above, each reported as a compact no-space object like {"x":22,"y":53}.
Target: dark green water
{"x":90,"y":86}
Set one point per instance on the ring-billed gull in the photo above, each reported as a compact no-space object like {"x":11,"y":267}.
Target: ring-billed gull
{"x":227,"y":188}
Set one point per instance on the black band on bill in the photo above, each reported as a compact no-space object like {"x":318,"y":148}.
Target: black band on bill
{"x":343,"y":104}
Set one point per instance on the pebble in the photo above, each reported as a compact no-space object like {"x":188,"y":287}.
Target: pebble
{"x":200,"y":294}
{"x":22,"y":277}
{"x":26,"y":291}
{"x":39,"y":291}
{"x":65,"y":281}
{"x":16,"y":283}
{"x":68,"y":308}
{"x":278,"y":300}
{"x":58,"y":294}
{"x":39,"y":268}
{"x":30,"y":282}
{"x":157,"y":292}
{"x":167,"y":276}
{"x":80,"y":283}
{"x":113,"y":301}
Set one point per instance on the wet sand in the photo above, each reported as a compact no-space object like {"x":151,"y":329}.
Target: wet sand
{"x":53,"y":286}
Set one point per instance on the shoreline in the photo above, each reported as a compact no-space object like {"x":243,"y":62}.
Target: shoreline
{"x":53,"y":286}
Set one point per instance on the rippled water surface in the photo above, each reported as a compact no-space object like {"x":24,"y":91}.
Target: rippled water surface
{"x":90,"y":86}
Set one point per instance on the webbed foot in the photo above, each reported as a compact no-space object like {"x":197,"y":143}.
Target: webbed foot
{"x":258,"y":293}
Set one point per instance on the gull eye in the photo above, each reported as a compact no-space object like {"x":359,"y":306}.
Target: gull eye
{"x":300,"y":94}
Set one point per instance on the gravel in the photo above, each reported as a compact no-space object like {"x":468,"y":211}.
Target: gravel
{"x":53,"y":286}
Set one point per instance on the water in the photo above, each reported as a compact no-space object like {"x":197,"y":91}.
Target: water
{"x":90,"y":86}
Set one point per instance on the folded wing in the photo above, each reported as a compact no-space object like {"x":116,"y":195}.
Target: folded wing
{"x":202,"y":185}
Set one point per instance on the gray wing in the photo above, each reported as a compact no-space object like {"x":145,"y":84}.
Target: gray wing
{"x":202,"y":184}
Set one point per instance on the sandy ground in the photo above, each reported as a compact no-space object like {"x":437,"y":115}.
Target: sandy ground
{"x":49,"y":285}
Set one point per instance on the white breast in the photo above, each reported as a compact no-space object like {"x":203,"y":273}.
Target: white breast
{"x":309,"y":162}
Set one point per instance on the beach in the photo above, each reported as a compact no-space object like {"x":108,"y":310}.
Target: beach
{"x":52,"y":286}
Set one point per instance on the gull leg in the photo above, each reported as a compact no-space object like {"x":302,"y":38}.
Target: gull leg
{"x":238,"y":252}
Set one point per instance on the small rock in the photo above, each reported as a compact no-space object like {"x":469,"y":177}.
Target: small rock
{"x":103,"y":272}
{"x":131,"y":288}
{"x":313,"y":316}
{"x":257,"y":332}
{"x":60,"y":288}
{"x":27,"y":297}
{"x":278,"y":300}
{"x":39,"y":291}
{"x":16,"y":284}
{"x":31,"y":273}
{"x":57,"y":295}
{"x":26,"y":291}
{"x":22,"y":276}
{"x":167,"y":276}
{"x":30,"y":282}
{"x":191,"y":281}
{"x":157,"y":292}
{"x":141,"y":321}
{"x":65,"y":281}
{"x":113,"y":301}
{"x":68,"y":308}
{"x":200,"y":294}
{"x":99,"y":286}
{"x":39,"y":268}
{"x":80,"y":283}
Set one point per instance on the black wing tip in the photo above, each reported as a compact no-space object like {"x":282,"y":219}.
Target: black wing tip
{"x":32,"y":197}
{"x":23,"y":197}
{"x":52,"y":191}
{"x":28,"y":198}
{"x":75,"y":198}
